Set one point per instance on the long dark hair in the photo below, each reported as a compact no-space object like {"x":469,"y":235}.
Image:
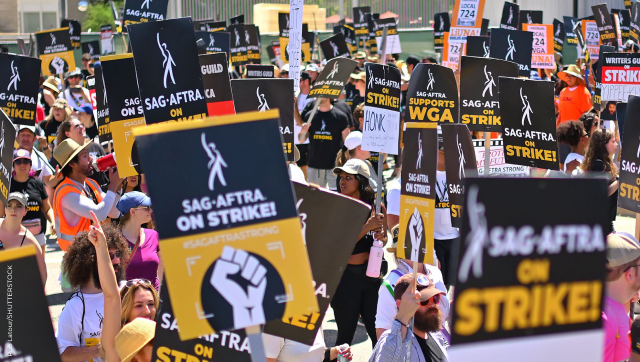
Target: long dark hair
{"x":367,"y":195}
{"x":570,"y":133}
{"x":597,"y":150}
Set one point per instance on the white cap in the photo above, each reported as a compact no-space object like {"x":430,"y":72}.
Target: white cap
{"x":353,"y":140}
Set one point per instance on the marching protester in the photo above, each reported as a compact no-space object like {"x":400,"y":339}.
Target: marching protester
{"x":50,"y":92}
{"x":598,"y":158}
{"x":574,"y":99}
{"x":81,"y":321}
{"x":60,"y":112}
{"x":139,"y":299}
{"x":77,"y":195}
{"x":423,"y":305}
{"x":145,"y":262}
{"x":358,"y":99}
{"x":387,"y":307}
{"x":352,"y":149}
{"x":357,"y":293}
{"x":590,"y":121}
{"x":26,"y":139}
{"x":301,"y":102}
{"x":39,"y":210}
{"x":15,"y":235}
{"x":76,"y":95}
{"x":573,"y":134}
{"x":446,"y":237}
{"x":326,"y":132}
{"x":622,"y":282}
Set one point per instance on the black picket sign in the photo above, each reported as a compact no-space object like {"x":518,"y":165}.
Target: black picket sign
{"x":119,"y":77}
{"x":432,"y":95}
{"x":104,"y":133}
{"x":510,"y":16}
{"x":606,"y":28}
{"x":569,"y":24}
{"x":144,"y":11}
{"x":238,"y":47}
{"x":333,"y":78}
{"x":334,"y":46}
{"x":629,"y":196}
{"x":460,"y":162}
{"x":260,"y":71}
{"x":478,"y":46}
{"x":19,"y":85}
{"x":530,"y":17}
{"x":558,"y":36}
{"x":441,"y":24}
{"x":92,"y":48}
{"x":7,"y":139}
{"x":513,"y":45}
{"x":215,"y":79}
{"x":215,"y":42}
{"x":360,"y":23}
{"x":75,"y":31}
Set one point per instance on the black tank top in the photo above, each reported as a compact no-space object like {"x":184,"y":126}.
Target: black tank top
{"x":364,"y":244}
{"x":22,"y":242}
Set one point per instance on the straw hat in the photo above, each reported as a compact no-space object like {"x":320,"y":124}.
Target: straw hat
{"x":574,"y":71}
{"x":67,"y":150}
{"x":52,"y":84}
{"x":133,"y":336}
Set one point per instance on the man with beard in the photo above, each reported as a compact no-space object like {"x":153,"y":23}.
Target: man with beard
{"x":623,"y":281}
{"x":423,"y":304}
{"x":80,"y":323}
{"x":77,"y":195}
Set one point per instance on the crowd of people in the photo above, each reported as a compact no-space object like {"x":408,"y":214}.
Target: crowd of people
{"x":113,"y":265}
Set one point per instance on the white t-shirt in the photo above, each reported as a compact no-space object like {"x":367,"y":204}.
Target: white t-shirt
{"x":286,"y":350}
{"x":387,"y":307}
{"x":70,"y":322}
{"x":442,"y":228}
{"x":303,"y":99}
{"x":572,"y":157}
{"x":393,"y":197}
{"x":296,"y":174}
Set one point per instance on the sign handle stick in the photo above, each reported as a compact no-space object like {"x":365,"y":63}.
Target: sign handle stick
{"x":384,"y":46}
{"x":637,"y":225}
{"x":254,"y":333}
{"x":379,"y":191}
{"x":487,"y":152}
{"x":316,"y":104}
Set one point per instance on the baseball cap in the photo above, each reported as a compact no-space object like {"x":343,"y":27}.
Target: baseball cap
{"x":359,"y":76}
{"x":24,"y":126}
{"x":18,"y":196}
{"x":132,"y":200}
{"x":285,"y":68}
{"x":85,"y":108}
{"x":354,"y":166}
{"x":353,"y":140}
{"x":312,"y":68}
{"x":423,"y":284}
{"x":21,"y":153}
{"x":74,"y":72}
{"x":622,"y":248}
{"x":360,"y":55}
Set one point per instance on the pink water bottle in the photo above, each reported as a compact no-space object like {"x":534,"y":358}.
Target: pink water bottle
{"x":375,"y":259}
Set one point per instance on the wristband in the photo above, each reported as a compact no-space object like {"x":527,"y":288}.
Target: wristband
{"x":402,"y":324}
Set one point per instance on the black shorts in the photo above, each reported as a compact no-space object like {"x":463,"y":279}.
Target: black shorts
{"x":304,"y":150}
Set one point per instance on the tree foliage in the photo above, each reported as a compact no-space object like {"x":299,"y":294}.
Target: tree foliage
{"x":99,"y":14}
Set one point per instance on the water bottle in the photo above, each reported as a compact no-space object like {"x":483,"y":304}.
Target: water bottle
{"x":375,"y":259}
{"x":341,"y":349}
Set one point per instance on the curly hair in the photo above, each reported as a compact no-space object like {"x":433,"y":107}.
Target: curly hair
{"x":79,"y":263}
{"x":597,"y":150}
{"x":570,"y":133}
{"x":587,"y":119}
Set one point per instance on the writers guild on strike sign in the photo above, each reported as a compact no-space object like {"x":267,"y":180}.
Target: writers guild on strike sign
{"x":517,"y":265}
{"x":480,"y":106}
{"x":629,"y":197}
{"x":528,"y":123}
{"x":432,"y":95}
{"x":168,"y":71}
{"x":620,"y":76}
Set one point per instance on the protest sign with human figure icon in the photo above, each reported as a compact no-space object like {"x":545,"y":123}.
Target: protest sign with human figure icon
{"x":418,"y":190}
{"x":233,"y":248}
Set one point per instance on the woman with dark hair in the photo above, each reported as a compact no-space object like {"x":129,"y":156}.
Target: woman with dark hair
{"x":80,"y":323}
{"x":590,"y":121}
{"x":598,"y":158}
{"x":357,"y":294}
{"x":572,"y":133}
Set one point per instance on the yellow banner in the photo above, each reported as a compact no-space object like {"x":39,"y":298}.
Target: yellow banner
{"x":48,"y":68}
{"x":415,"y":240}
{"x":123,"y":139}
{"x":306,"y":50}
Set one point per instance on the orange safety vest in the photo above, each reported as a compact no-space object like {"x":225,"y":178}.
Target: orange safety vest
{"x":65,"y":232}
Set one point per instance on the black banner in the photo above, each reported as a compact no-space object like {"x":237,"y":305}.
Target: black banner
{"x":253,"y":43}
{"x":119,"y":76}
{"x":479,"y":103}
{"x":349,"y":35}
{"x":329,"y":250}
{"x":225,"y":346}
{"x":144,"y":11}
{"x":569,"y":24}
{"x":75,"y":31}
{"x":441,"y":24}
{"x":624,"y":17}
{"x":528,"y":123}
{"x":260,"y":71}
{"x":56,"y":52}
{"x":629,"y":197}
{"x":216,"y":42}
{"x":19,"y":86}
{"x":238,"y":47}
{"x":333,"y":78}
{"x":530,"y":17}
{"x":512,"y":265}
{"x":284,"y":24}
{"x":432,"y":95}
{"x":7,"y":140}
{"x":237,"y":20}
{"x":606,"y":29}
{"x":510,"y":16}
{"x":634,"y":25}
{"x":515,"y":46}
{"x":360,"y":22}
{"x":167,"y":66}
{"x":215,"y":79}
{"x":263,"y":95}
{"x":104,"y":133}
{"x":558,"y":36}
{"x":460,"y":160}
{"x":26,"y":313}
{"x":478,"y":46}
{"x":92,"y":48}
{"x":334,"y":47}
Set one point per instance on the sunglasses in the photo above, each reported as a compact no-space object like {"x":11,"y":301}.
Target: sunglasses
{"x":22,"y":161}
{"x":435,"y":300}
{"x":133,"y":282}
{"x":74,"y":76}
{"x":78,"y":126}
{"x":114,"y":255}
